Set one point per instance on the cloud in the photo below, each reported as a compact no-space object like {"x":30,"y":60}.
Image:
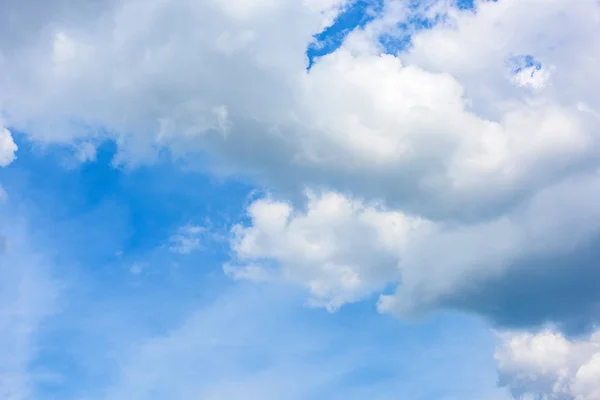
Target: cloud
{"x":340,"y":249}
{"x":187,"y":239}
{"x":462,"y":169}
{"x":242,"y":50}
{"x":227,"y":349}
{"x":257,"y":343}
{"x":28,"y":296}
{"x":503,"y":175}
{"x":548,"y":366}
{"x":8,"y":148}
{"x":402,"y":129}
{"x":248,"y":272}
{"x":499,"y":161}
{"x":343,"y":250}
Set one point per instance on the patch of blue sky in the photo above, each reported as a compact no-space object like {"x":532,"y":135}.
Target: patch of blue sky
{"x":524,"y":61}
{"x":180,"y":326}
{"x":466,"y":4}
{"x":99,"y":223}
{"x":360,"y":12}
{"x":261,"y":334}
{"x":418,"y":19}
{"x":105,"y":220}
{"x":356,"y":15}
{"x":137,"y":206}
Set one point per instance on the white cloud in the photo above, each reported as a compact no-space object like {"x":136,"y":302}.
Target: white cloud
{"x":187,"y":239}
{"x":548,"y":366}
{"x":190,"y":238}
{"x":27,"y":297}
{"x":248,"y":272}
{"x":503,"y":175}
{"x":8,"y":148}
{"x":410,"y":130}
{"x":340,"y":249}
{"x":344,"y":250}
{"x":532,"y":77}
{"x":437,"y":133}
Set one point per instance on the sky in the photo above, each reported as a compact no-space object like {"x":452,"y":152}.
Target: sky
{"x":299,"y":199}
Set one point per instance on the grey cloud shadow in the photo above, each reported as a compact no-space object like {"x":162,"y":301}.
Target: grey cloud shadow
{"x":562,"y":290}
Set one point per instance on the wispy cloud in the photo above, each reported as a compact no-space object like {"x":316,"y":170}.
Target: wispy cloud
{"x":187,"y":239}
{"x":255,"y":343}
{"x":28,"y":295}
{"x":190,"y":238}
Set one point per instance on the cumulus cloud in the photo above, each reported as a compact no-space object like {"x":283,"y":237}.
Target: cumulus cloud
{"x":462,"y":169}
{"x":484,"y":129}
{"x":403,"y":128}
{"x":549,"y":366}
{"x":341,"y":249}
{"x":344,"y":250}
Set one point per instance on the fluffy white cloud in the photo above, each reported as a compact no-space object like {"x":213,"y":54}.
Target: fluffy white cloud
{"x":486,"y":128}
{"x":340,"y":249}
{"x":477,"y":48}
{"x":343,"y":250}
{"x":115,"y":70}
{"x":411,"y":130}
{"x":8,"y":148}
{"x":409,"y":136}
{"x":549,"y":366}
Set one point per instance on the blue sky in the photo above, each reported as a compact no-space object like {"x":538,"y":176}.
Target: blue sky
{"x":95,"y":222}
{"x":299,"y":199}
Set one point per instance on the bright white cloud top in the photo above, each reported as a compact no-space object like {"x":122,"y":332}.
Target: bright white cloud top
{"x":548,"y":363}
{"x":462,"y":170}
{"x":8,"y":148}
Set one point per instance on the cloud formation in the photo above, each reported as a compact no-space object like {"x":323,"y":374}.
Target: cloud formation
{"x":340,"y":249}
{"x":548,"y":366}
{"x":343,"y":250}
{"x":460,"y":171}
{"x":484,"y":131}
